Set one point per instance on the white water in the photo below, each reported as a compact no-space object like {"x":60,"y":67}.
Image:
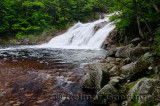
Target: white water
{"x":82,"y":36}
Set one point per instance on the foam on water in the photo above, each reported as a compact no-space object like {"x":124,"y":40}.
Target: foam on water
{"x":82,"y":36}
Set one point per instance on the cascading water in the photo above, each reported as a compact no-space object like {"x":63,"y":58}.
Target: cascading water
{"x":83,"y":36}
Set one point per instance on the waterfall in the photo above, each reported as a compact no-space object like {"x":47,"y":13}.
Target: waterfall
{"x":83,"y":36}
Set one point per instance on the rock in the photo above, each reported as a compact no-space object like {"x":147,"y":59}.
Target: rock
{"x":127,"y":61}
{"x":86,"y":82}
{"x":132,"y":52}
{"x":115,"y":80}
{"x":137,"y":52}
{"x":105,"y":95}
{"x":135,"y":41}
{"x":111,"y":59}
{"x":158,"y":104}
{"x":112,"y":35}
{"x":100,"y":25}
{"x":134,"y":69}
{"x":142,"y":44}
{"x":97,"y":77}
{"x":119,"y":59}
{"x":111,"y":52}
{"x":110,"y":40}
{"x":114,"y":71}
{"x":123,"y":51}
{"x":148,"y":55}
{"x":147,"y":89}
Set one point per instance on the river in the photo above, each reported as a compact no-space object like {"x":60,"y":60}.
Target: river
{"x":48,"y":74}
{"x":36,"y":76}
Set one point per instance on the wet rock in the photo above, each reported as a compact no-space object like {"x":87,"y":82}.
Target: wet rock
{"x":113,"y":34}
{"x":86,"y":82}
{"x":111,"y":52}
{"x":110,"y":40}
{"x":147,"y":89}
{"x":105,"y":95}
{"x":127,"y":61}
{"x":100,"y":25}
{"x":135,"y":41}
{"x":97,"y":77}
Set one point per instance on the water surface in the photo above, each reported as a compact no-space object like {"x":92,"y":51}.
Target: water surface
{"x":35,"y":76}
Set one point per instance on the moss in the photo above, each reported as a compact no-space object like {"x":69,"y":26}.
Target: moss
{"x":150,"y":103}
{"x":131,"y":85}
{"x":151,"y":76}
{"x":135,"y":99}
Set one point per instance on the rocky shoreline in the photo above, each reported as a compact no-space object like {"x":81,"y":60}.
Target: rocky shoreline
{"x":128,"y":75}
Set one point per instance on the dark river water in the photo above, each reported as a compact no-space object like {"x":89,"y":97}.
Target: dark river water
{"x":44,"y":76}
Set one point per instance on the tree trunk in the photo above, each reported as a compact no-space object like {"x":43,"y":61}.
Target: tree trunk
{"x":154,"y":5}
{"x":138,"y":19}
{"x":145,"y":21}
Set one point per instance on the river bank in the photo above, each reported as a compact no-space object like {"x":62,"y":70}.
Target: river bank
{"x":128,"y":76}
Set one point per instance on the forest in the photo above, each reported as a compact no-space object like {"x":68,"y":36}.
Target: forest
{"x":31,"y":17}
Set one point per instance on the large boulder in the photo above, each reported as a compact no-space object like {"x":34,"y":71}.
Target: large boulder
{"x":106,"y":95}
{"x":111,"y":52}
{"x":145,"y":90}
{"x":135,"y":69}
{"x":131,"y":52}
{"x":98,"y":76}
{"x":123,"y":51}
{"x":137,"y":52}
{"x":86,"y":82}
{"x":110,"y":40}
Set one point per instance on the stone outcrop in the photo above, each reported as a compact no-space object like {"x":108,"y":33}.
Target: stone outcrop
{"x":97,"y":76}
{"x":104,"y":95}
{"x":100,"y":25}
{"x":145,"y":90}
{"x":110,"y":40}
{"x":119,"y":73}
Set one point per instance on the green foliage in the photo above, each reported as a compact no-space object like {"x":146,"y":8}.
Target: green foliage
{"x":156,"y":46}
{"x":126,"y":20}
{"x":135,"y":99}
{"x":150,"y":103}
{"x":131,"y":85}
{"x":25,"y":17}
{"x":145,"y":59}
